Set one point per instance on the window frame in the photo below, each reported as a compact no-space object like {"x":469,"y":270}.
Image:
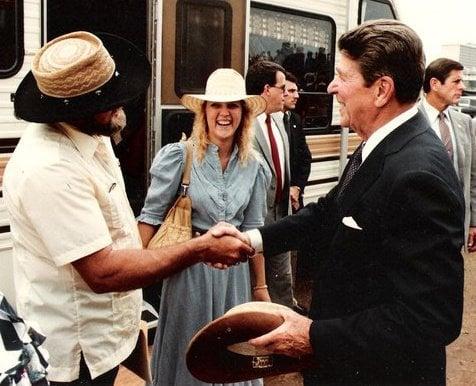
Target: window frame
{"x":387,"y":2}
{"x":19,"y":46}
{"x":332,"y":44}
{"x":181,"y":34}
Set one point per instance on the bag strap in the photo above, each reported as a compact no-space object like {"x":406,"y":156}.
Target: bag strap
{"x":188,"y":167}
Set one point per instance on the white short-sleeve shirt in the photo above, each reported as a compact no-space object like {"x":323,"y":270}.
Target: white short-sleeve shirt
{"x":66,"y":199}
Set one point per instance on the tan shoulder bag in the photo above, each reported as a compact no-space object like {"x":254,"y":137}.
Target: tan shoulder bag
{"x":177,"y":226}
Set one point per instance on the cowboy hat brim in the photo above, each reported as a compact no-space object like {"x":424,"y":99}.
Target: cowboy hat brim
{"x":218,"y":353}
{"x":255,"y":103}
{"x":130,"y":80}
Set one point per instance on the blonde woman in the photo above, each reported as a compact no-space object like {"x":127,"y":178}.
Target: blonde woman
{"x":228,"y":183}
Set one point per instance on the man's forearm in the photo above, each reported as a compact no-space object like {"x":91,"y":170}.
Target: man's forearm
{"x":110,"y":270}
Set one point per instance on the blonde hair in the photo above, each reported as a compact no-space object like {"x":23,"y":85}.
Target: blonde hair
{"x":243,"y":135}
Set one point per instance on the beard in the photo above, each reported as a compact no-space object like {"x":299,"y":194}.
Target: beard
{"x":91,"y":126}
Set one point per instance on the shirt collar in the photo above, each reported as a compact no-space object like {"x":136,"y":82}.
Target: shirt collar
{"x":213,"y":149}
{"x":262,"y":117}
{"x":85,"y":143}
{"x":382,"y":132}
{"x":432,"y":112}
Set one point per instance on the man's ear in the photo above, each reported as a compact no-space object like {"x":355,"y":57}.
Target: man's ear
{"x":434,"y":84}
{"x":266,"y":90}
{"x":384,"y":90}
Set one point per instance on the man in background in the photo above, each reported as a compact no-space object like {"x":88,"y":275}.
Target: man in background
{"x":443,"y":87}
{"x":268,"y":79}
{"x":299,"y":154}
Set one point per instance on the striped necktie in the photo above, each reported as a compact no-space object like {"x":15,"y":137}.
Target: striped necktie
{"x":445,"y":134}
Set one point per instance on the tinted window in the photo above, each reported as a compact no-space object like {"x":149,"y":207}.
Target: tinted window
{"x":11,"y":33}
{"x":303,"y":44}
{"x":375,"y":9}
{"x":203,"y":42}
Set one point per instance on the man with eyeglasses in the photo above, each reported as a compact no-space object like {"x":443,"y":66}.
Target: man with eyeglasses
{"x":267,"y":79}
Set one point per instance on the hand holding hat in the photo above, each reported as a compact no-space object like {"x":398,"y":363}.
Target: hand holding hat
{"x":221,"y":351}
{"x":291,"y":338}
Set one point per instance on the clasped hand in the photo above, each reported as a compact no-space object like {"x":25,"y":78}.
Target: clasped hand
{"x":228,"y":239}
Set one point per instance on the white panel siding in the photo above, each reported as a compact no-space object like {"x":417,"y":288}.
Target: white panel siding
{"x":9,"y":126}
{"x":324,"y":170}
{"x":313,"y":192}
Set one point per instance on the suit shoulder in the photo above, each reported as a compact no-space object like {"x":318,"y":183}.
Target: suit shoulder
{"x":462,"y":117}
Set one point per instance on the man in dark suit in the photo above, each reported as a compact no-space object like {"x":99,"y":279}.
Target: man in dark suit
{"x":388,"y":293}
{"x":299,"y":154}
{"x":443,"y":87}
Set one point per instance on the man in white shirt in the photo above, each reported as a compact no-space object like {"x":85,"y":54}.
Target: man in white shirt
{"x":443,"y":87}
{"x":388,"y":291}
{"x":267,"y":79}
{"x":78,"y":257}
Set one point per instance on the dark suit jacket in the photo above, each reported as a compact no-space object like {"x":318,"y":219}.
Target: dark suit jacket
{"x":388,"y":298}
{"x":299,"y":154}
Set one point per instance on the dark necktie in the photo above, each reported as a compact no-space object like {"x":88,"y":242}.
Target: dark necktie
{"x":276,"y":162}
{"x":445,"y":134}
{"x":286,"y":122}
{"x":354,"y":165}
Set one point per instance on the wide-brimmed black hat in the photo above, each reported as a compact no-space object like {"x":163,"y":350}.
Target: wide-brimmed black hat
{"x":80,"y":74}
{"x":219,"y":352}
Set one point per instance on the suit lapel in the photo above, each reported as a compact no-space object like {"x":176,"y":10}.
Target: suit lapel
{"x":372,"y":167}
{"x":262,"y":145}
{"x":462,"y":145}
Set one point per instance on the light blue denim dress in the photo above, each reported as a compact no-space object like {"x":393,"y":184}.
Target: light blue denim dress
{"x":197,"y":295}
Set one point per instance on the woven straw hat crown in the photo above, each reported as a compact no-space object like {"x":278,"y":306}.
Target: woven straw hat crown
{"x":72,"y":65}
{"x":225,"y":85}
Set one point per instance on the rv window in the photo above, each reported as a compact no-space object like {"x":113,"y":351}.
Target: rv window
{"x":375,"y":9}
{"x":11,"y":32}
{"x":303,"y":43}
{"x":203,"y":42}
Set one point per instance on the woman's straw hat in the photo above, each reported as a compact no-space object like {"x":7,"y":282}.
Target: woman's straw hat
{"x":79,"y":74}
{"x":219,"y":352}
{"x":225,"y":85}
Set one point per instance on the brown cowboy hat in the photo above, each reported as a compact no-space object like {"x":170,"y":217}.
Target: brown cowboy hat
{"x":219,"y":352}
{"x":80,"y":74}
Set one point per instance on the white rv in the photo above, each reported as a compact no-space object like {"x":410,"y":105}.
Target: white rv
{"x":185,"y":41}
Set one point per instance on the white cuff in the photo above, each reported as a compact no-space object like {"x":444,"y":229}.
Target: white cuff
{"x":256,"y":240}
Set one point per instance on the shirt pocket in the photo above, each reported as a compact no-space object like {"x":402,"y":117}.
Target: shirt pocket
{"x":126,"y":308}
{"x":114,"y":210}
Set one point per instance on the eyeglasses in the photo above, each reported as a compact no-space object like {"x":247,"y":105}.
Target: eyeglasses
{"x":282,"y":87}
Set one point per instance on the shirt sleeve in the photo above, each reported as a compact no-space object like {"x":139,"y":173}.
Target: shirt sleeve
{"x":166,"y":175}
{"x":60,"y":203}
{"x":255,"y":213}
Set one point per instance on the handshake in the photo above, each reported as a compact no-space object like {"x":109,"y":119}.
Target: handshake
{"x":224,"y":246}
